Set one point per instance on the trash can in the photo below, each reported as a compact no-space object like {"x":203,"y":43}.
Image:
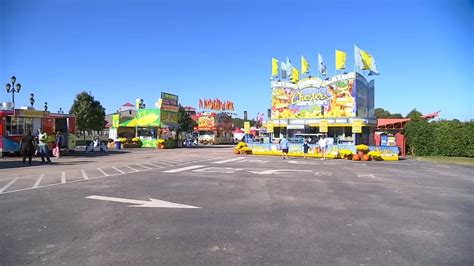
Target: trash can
{"x":118,"y":145}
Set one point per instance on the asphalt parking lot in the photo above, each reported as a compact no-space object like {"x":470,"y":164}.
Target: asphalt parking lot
{"x":208,"y":206}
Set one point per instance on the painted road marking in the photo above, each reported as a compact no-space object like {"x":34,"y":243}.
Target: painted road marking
{"x":84,"y":175}
{"x":118,"y":170}
{"x":131,"y":168}
{"x":323,"y":173}
{"x":184,"y":169}
{"x":102,"y":171}
{"x":146,"y":167}
{"x":155,"y":165}
{"x":270,"y":172}
{"x":38,"y":181}
{"x":165,"y":164}
{"x":223,"y":170}
{"x":366,"y":175}
{"x":8,"y":185}
{"x":230,"y":160}
{"x":152,"y":203}
{"x":63,"y":177}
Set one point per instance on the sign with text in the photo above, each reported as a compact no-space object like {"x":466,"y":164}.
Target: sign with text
{"x":169,"y":99}
{"x":247,"y":127}
{"x":356,"y":126}
{"x":323,"y":126}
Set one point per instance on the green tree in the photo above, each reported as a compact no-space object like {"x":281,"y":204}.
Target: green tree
{"x":90,"y":115}
{"x":185,"y":121}
{"x":414,"y":114}
{"x":381,"y":113}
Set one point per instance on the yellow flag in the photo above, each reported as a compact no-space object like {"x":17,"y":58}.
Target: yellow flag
{"x":295,"y":77}
{"x":340,"y":60}
{"x":274,"y":67}
{"x":366,"y":60}
{"x":304,"y":65}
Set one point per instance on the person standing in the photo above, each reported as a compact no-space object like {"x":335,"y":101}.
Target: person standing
{"x":27,"y":147}
{"x":322,"y":147}
{"x":284,"y":148}
{"x":305,"y":148}
{"x":43,"y":147}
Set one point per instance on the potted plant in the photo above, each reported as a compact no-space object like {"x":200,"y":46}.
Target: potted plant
{"x":160,"y":144}
{"x":345,"y":154}
{"x":375,"y":155}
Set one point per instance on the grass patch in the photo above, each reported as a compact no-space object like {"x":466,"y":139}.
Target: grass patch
{"x":447,"y":160}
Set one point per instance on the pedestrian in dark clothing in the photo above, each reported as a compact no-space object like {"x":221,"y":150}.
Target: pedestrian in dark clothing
{"x":27,"y":147}
{"x":305,"y":148}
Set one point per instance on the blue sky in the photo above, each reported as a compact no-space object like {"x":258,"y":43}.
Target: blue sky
{"x":121,"y":50}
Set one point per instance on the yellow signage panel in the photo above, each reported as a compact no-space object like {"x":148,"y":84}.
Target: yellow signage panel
{"x":323,"y":126}
{"x":115,"y":121}
{"x":356,"y":126}
{"x":270,"y":127}
{"x":247,"y":127}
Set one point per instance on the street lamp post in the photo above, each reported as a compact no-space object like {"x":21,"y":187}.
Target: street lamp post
{"x":12,"y":88}
{"x":32,"y":99}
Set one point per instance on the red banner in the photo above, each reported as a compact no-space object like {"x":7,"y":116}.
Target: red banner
{"x":216,"y":104}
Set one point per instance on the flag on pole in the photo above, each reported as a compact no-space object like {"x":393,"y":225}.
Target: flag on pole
{"x":274,"y":67}
{"x":289,"y":67}
{"x":365,"y":61}
{"x":295,"y":75}
{"x":304,"y":65}
{"x":284,"y":70}
{"x":340,"y":60}
{"x":322,"y":65}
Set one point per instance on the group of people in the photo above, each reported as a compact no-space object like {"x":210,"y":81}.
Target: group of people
{"x":30,"y":145}
{"x":322,"y":146}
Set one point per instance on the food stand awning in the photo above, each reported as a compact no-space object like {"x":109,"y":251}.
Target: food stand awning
{"x":148,"y":120}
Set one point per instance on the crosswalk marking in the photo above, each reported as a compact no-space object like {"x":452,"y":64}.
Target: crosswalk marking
{"x":183,"y":169}
{"x":8,"y":185}
{"x":84,"y":175}
{"x":165,"y":164}
{"x":38,"y":181}
{"x":63,"y":177}
{"x":102,"y":171}
{"x":146,"y":167}
{"x":131,"y":168}
{"x":118,"y":170}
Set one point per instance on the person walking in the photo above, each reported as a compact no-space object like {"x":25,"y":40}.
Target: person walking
{"x":58,"y":142}
{"x":284,"y":148}
{"x":27,"y":147}
{"x":305,"y":148}
{"x":43,"y":147}
{"x":322,"y":147}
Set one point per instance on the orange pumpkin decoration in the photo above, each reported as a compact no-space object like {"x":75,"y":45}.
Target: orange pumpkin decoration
{"x":356,"y":157}
{"x":365,"y":157}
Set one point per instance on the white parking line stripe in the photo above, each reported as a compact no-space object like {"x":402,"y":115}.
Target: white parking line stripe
{"x":38,"y":181}
{"x":146,"y":167}
{"x":165,"y":164}
{"x":63,"y":177}
{"x":131,"y":168}
{"x":8,"y":185}
{"x":103,"y":172}
{"x":84,"y":175}
{"x":184,"y":169}
{"x":118,"y":170}
{"x":230,"y":160}
{"x":152,"y":164}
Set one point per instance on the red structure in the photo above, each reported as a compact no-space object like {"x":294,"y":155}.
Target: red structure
{"x":396,"y":127}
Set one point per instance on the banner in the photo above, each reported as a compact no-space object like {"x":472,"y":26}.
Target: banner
{"x":313,"y":98}
{"x":206,"y":123}
{"x":356,"y":126}
{"x":247,"y":127}
{"x":115,"y":121}
{"x":323,"y":126}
